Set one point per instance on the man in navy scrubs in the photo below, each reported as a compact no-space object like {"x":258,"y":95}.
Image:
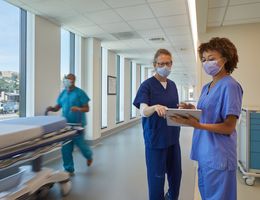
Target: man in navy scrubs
{"x":162,"y":148}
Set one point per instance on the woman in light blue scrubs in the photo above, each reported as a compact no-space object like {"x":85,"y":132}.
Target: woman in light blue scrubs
{"x":162,"y":148}
{"x":215,"y":138}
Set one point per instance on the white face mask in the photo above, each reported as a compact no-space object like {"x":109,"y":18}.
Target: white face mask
{"x":67,"y":83}
{"x":163,"y":71}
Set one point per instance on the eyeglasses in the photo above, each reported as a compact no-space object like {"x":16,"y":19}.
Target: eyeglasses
{"x":169,"y":64}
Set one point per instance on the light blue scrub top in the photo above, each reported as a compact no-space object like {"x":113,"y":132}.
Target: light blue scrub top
{"x":211,"y":149}
{"x":68,"y":99}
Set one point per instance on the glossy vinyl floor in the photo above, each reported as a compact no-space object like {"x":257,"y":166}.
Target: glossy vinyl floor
{"x":119,"y":171}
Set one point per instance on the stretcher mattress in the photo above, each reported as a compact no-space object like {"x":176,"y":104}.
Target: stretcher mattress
{"x":15,"y":131}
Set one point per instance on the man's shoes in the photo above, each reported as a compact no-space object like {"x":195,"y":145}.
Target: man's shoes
{"x":167,"y":196}
{"x":89,"y":162}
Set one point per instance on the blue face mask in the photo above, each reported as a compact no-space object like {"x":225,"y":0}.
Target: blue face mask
{"x":211,"y":67}
{"x":163,"y":71}
{"x":67,"y":83}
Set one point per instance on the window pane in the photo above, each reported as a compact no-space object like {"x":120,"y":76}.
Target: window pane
{"x":117,"y":88}
{"x":78,"y":60}
{"x":65,"y":53}
{"x":122,"y":86}
{"x":104,"y":88}
{"x":133,"y":89}
{"x":9,"y":60}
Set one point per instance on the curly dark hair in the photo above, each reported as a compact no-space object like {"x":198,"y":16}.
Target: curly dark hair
{"x":225,"y":47}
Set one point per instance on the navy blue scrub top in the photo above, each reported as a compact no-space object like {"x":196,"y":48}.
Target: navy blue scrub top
{"x":156,"y":132}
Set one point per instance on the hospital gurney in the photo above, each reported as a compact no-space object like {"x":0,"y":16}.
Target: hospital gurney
{"x":27,"y":139}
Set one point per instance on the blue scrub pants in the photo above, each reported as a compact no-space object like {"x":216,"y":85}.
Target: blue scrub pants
{"x":67,"y":150}
{"x":217,"y":184}
{"x":160,"y":162}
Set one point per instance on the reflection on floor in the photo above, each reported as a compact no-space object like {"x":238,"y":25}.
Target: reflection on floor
{"x":119,"y":172}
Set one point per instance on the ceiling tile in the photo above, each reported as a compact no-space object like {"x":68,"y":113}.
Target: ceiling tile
{"x":217,"y":3}
{"x":137,"y":43}
{"x":214,"y":24}
{"x":167,"y":8}
{"x":165,"y":45}
{"x":178,"y":30}
{"x":114,"y":45}
{"x":151,"y":33}
{"x":145,"y":24}
{"x":15,"y":2}
{"x":91,"y":30}
{"x":84,"y":6}
{"x":242,"y":21}
{"x":52,"y":8}
{"x":150,"y":1}
{"x":135,"y":12}
{"x":238,"y":2}
{"x":76,"y":21}
{"x":243,"y":12}
{"x":104,"y":17}
{"x":105,"y":37}
{"x":180,"y":39}
{"x":116,"y":27}
{"x":171,"y":21}
{"x":216,"y":15}
{"x":123,"y":3}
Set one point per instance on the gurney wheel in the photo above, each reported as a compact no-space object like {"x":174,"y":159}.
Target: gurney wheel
{"x":43,"y":192}
{"x":250,"y":181}
{"x":65,"y":188}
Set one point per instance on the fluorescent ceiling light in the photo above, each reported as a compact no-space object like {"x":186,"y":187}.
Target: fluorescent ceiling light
{"x":193,"y":21}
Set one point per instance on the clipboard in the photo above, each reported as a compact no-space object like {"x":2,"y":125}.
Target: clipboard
{"x":183,"y":112}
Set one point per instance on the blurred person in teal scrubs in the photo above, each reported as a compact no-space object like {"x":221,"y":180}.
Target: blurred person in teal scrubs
{"x":74,"y":104}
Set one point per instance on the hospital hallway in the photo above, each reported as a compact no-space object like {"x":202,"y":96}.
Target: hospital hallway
{"x":118,"y":171}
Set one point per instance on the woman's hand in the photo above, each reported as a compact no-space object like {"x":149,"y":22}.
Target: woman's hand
{"x":184,"y":105}
{"x":161,"y":110}
{"x":189,"y":120}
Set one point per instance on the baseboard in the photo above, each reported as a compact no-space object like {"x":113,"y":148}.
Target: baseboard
{"x":113,"y":131}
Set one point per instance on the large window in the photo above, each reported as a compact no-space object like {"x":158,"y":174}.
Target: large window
{"x":133,"y":88}
{"x":104,"y":87}
{"x":120,"y":89}
{"x":65,"y":53}
{"x":70,"y":55}
{"x":78,"y":60}
{"x":12,"y":61}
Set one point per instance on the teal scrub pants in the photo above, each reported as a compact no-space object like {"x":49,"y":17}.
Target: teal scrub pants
{"x":67,"y":150}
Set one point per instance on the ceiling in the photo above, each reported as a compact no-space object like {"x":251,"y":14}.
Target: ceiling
{"x":216,"y":13}
{"x":126,"y":27}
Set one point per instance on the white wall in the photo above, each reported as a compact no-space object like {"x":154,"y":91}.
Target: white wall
{"x":247,"y":40}
{"x":127,"y":91}
{"x":92,"y":86}
{"x":47,"y":64}
{"x":111,"y":99}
